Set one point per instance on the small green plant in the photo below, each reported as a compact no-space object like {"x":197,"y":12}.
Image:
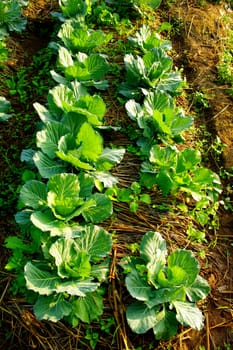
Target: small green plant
{"x":225,"y":65}
{"x":200,"y":100}
{"x":166,"y":288}
{"x":130,"y":195}
{"x":92,"y":337}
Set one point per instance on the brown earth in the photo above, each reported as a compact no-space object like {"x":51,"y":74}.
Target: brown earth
{"x":197,"y":49}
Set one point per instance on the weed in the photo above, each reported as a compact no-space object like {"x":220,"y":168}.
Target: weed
{"x":200,"y":100}
{"x":92,"y":337}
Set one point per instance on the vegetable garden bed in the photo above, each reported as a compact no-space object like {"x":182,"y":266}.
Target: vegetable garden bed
{"x":124,"y":208}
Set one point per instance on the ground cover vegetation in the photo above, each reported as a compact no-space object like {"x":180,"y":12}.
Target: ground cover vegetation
{"x":63,"y":257}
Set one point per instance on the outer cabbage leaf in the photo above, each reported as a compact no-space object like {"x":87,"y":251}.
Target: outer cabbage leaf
{"x":86,"y":68}
{"x":100,"y":211}
{"x":48,"y":167}
{"x":52,"y":308}
{"x":48,"y":138}
{"x":40,"y":281}
{"x":33,"y":194}
{"x":140,"y":318}
{"x":95,"y":241}
{"x":137,"y":286}
{"x":198,"y":290}
{"x":88,"y":308}
{"x":166,"y":325}
{"x":109,"y":158}
{"x":189,"y":315}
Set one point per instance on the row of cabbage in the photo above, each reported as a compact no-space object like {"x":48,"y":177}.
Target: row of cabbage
{"x":166,"y":288}
{"x":68,"y":256}
{"x":151,"y":88}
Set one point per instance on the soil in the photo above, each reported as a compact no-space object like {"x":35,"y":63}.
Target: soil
{"x":197,"y":48}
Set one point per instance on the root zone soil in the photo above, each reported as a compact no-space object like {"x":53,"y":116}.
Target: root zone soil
{"x":197,"y":52}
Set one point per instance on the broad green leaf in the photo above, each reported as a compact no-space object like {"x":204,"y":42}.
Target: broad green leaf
{"x":88,"y":308}
{"x":134,"y":110}
{"x":183,"y":268}
{"x":166,"y":295}
{"x":64,"y":57}
{"x":92,"y":107}
{"x":23,"y":218}
{"x":106,"y":178}
{"x":60,"y":99}
{"x":40,"y":281}
{"x":46,"y":222}
{"x":188,"y":159}
{"x":71,"y":153}
{"x":58,"y":78}
{"x":14,"y":242}
{"x":77,"y":288}
{"x":48,"y":167}
{"x":101,"y":270}
{"x":90,"y":143}
{"x":86,"y":184}
{"x":164,"y":157}
{"x":147,"y":40}
{"x":138,"y":286}
{"x":198,"y":290}
{"x":109,"y":158}
{"x":92,"y":67}
{"x":72,"y":121}
{"x":80,"y":39}
{"x":158,"y":63}
{"x":4,"y":104}
{"x":135,"y":69}
{"x":166,"y":325}
{"x":63,"y":195}
{"x":140,"y":318}
{"x":52,"y":308}
{"x":157,"y":100}
{"x":100,"y":211}
{"x":73,"y":157}
{"x":95,"y":241}
{"x":43,"y":113}
{"x":27,"y":156}
{"x":48,"y":138}
{"x":4,"y":107}
{"x":171,"y":83}
{"x":165,"y":181}
{"x":189,"y":315}
{"x":33,"y":194}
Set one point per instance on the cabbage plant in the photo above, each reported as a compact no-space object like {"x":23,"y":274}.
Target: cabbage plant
{"x":166,"y":288}
{"x":66,"y":282}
